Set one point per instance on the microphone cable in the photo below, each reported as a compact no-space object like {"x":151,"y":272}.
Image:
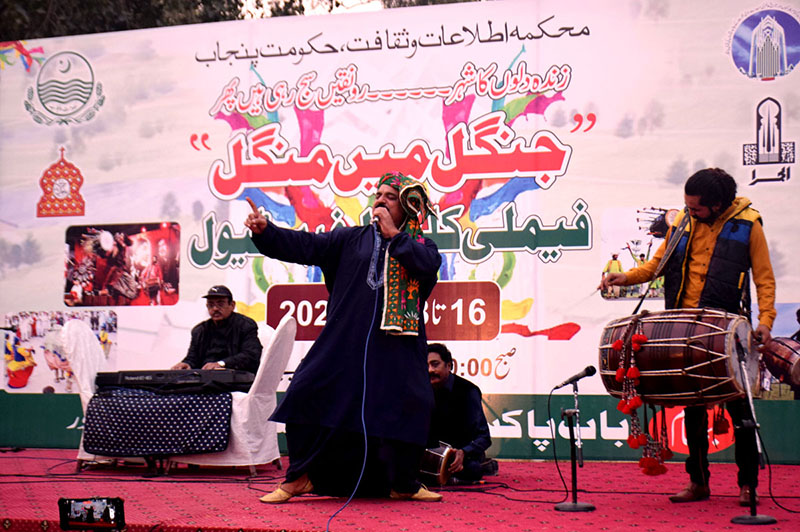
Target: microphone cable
{"x":769,"y":476}
{"x":756,"y":429}
{"x":553,"y":424}
{"x":363,"y":398}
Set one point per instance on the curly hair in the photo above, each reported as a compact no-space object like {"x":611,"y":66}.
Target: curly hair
{"x":714,"y":186}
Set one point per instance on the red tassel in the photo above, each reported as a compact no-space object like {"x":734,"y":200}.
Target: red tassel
{"x":617,"y":346}
{"x":633,"y":442}
{"x":642,"y":439}
{"x":639,"y":338}
{"x":634,"y":402}
{"x":655,"y":469}
{"x":620,"y":374}
{"x":667,"y":454}
{"x":636,"y":346}
{"x":622,"y":405}
{"x":633,"y":372}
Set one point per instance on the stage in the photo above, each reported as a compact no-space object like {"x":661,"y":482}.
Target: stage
{"x":521,"y":497}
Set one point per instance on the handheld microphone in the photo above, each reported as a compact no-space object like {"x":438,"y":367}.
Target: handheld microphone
{"x":375,"y":219}
{"x":587,"y":372}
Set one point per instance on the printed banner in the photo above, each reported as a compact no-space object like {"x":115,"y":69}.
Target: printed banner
{"x":554,"y":141}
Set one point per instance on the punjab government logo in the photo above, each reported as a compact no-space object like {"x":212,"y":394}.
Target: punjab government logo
{"x":66,"y":91}
{"x":765,"y":44}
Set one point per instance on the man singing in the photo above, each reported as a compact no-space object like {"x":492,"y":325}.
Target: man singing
{"x":369,"y":362}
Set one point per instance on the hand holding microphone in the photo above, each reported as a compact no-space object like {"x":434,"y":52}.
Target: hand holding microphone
{"x":383,"y":222}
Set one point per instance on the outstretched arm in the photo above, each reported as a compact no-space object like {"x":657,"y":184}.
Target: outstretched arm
{"x":289,"y":245}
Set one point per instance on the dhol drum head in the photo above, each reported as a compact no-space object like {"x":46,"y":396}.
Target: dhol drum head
{"x":435,"y":462}
{"x":691,"y":356}
{"x":782,"y":358}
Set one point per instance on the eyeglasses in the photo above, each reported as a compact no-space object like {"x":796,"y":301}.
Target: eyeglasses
{"x":216,"y":303}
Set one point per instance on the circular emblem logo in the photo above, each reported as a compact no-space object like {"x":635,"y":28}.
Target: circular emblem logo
{"x":65,"y":83}
{"x":766,"y":44}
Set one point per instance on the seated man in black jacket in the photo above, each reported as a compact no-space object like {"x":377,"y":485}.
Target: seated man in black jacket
{"x":458,"y":418}
{"x":226,"y":340}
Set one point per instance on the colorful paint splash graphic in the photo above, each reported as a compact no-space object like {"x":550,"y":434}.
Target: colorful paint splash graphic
{"x":304,"y":206}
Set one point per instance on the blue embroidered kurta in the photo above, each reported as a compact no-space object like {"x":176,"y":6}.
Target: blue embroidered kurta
{"x":327,"y":387}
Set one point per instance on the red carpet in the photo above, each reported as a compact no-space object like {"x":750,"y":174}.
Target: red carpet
{"x":520,"y":498}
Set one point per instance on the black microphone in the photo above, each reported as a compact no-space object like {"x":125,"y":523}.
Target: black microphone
{"x":587,"y":372}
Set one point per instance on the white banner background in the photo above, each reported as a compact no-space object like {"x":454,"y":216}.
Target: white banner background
{"x":661,"y":83}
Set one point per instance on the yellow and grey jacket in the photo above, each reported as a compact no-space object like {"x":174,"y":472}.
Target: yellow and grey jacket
{"x":710,"y":265}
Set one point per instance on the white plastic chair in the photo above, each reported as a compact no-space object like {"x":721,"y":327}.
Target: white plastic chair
{"x":85,"y":356}
{"x":254,"y":439}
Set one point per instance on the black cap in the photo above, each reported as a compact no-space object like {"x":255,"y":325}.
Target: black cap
{"x":219,"y":291}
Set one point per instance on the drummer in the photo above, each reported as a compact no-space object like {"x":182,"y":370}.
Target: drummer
{"x":721,"y":243}
{"x":458,"y":418}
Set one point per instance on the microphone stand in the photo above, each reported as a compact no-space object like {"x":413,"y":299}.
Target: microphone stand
{"x":576,"y":457}
{"x":752,"y":518}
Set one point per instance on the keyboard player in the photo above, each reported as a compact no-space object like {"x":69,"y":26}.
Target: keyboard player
{"x":227,"y":340}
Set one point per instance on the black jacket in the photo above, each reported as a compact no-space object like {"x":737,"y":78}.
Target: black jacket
{"x":244,"y":347}
{"x":458,"y":418}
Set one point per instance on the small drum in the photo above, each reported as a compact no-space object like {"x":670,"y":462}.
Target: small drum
{"x":782,"y":357}
{"x":433,"y":469}
{"x":690,"y":356}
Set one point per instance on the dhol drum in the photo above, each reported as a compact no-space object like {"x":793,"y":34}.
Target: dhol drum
{"x":433,"y":469}
{"x":782,"y":357}
{"x":690,"y":356}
